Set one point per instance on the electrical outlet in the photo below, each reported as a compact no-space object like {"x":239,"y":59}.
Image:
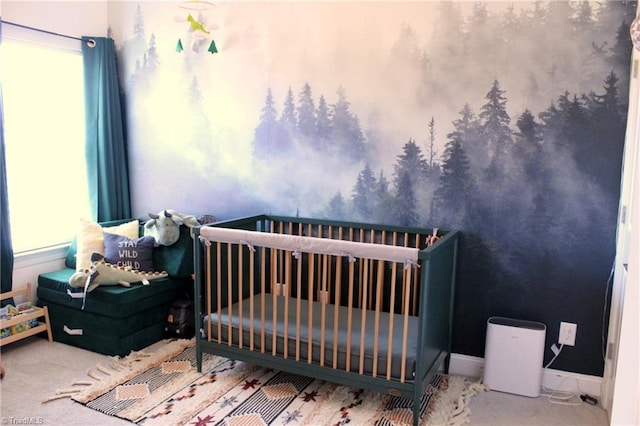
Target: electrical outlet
{"x":567,"y":335}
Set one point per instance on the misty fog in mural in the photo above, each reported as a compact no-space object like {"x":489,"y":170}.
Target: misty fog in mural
{"x":503,"y":120}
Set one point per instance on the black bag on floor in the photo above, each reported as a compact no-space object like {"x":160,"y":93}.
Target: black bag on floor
{"x":180,"y":321}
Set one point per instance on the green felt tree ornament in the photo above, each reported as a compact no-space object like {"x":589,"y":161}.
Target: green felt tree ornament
{"x":179,"y":47}
{"x":212,"y":47}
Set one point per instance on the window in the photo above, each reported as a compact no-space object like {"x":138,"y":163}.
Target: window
{"x":43,"y":98}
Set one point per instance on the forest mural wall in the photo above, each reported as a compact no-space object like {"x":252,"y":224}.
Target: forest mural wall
{"x":504,"y":120}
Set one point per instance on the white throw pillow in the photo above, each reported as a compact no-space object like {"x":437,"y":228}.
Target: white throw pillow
{"x":90,"y":239}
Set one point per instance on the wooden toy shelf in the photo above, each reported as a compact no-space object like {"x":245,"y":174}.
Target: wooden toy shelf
{"x":34,"y":312}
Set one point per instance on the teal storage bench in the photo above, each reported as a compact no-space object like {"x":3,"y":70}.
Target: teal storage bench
{"x":116,"y":320}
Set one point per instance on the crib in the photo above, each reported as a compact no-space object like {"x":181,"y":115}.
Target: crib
{"x":363,"y":305}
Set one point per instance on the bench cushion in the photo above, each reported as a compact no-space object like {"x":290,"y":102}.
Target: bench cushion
{"x":113,"y":301}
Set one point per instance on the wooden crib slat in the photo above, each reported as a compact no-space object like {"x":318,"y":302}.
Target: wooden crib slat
{"x":285,"y":293}
{"x":310,"y":309}
{"x":392,"y":304}
{"x":404,"y":287}
{"x":336,"y":316}
{"x":279,"y":279}
{"x":240,"y":281}
{"x":361,"y":266}
{"x":416,"y":287}
{"x":208,"y":292}
{"x":229,"y":295}
{"x":219,"y":288}
{"x":310,"y":282}
{"x":338,"y":292}
{"x":350,"y":315}
{"x":298,"y":305}
{"x":323,"y":308}
{"x":378,"y":302}
{"x":392,"y":307}
{"x":263,"y":280}
{"x":363,"y":327}
{"x":252,"y":283}
{"x":318,"y":283}
{"x":274,"y":298}
{"x":299,"y":298}
{"x":405,"y":327}
{"x":371,"y":269}
{"x":330,"y":279}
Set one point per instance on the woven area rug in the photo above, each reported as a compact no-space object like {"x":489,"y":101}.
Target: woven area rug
{"x":164,"y":388}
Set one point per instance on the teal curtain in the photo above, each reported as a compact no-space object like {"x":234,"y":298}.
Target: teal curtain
{"x":106,"y":150}
{"x":6,"y":250}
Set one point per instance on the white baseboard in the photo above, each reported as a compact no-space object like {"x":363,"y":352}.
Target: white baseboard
{"x":557,"y":380}
{"x":465,"y":365}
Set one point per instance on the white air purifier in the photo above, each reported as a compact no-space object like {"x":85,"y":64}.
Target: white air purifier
{"x":514,"y":355}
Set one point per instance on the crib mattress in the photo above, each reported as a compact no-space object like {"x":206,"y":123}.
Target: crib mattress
{"x":315,"y":334}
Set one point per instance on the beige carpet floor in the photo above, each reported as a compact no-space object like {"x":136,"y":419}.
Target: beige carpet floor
{"x":35,"y":369}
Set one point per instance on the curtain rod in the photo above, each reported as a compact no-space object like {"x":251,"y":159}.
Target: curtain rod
{"x":40,"y":30}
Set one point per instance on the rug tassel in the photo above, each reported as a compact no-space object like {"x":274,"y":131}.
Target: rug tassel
{"x":62,"y":393}
{"x":93,"y":375}
{"x":136,"y":355}
{"x":67,"y":391}
{"x":83,"y":383}
{"x":452,"y":404}
{"x":116,"y":366}
{"x":53,"y":398}
{"x":118,"y":363}
{"x":103,"y":369}
{"x":460,"y":413}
